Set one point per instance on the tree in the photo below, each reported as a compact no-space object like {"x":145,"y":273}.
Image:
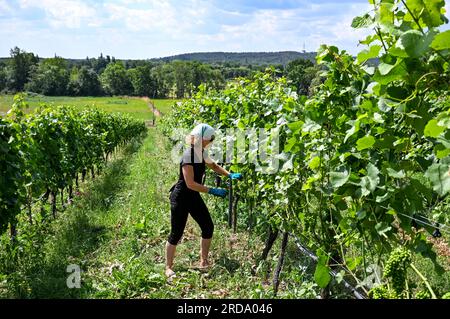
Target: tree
{"x":100,"y":64}
{"x":115,"y":80}
{"x":301,"y":72}
{"x":49,"y":77}
{"x":143,"y":81}
{"x":2,"y":78}
{"x":232,"y":72}
{"x":204,"y":73}
{"x":216,"y":80}
{"x":84,"y":82}
{"x":165,"y":80}
{"x":20,"y":66}
{"x":184,"y":77}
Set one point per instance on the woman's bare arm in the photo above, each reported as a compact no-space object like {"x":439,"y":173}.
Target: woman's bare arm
{"x":217,"y":168}
{"x":188,"y":173}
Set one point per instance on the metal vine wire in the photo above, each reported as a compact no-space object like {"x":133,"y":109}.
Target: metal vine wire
{"x":434,"y":226}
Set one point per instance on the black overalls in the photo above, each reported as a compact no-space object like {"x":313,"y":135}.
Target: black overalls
{"x":184,"y":201}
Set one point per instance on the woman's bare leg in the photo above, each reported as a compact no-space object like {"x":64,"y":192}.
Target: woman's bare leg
{"x":170,"y":254}
{"x":204,"y":252}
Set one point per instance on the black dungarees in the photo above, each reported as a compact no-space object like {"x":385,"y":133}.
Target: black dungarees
{"x":184,"y":201}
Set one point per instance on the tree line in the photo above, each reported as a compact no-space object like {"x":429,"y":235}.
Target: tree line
{"x":25,"y":71}
{"x":244,"y":58}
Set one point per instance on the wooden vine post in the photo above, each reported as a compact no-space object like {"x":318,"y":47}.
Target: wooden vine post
{"x":276,"y":275}
{"x":230,"y":202}
{"x":234,"y":213}
{"x":153,"y":112}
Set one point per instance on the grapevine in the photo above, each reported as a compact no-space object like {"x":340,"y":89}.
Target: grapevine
{"x":368,"y":151}
{"x":44,"y":151}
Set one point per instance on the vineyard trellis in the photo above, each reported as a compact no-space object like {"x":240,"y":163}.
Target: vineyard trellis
{"x":43,"y":153}
{"x":363,"y":157}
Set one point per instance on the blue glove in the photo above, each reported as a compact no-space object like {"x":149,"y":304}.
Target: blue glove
{"x":235,"y":176}
{"x":218,"y":192}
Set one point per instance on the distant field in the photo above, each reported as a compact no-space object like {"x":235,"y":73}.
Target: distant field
{"x":133,"y":106}
{"x":164,"y":105}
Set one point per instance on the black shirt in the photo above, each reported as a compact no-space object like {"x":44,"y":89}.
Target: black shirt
{"x":197,"y":161}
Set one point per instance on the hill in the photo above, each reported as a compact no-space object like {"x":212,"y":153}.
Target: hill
{"x":240,"y":58}
{"x":256,"y":58}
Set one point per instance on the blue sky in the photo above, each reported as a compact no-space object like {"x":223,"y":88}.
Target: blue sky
{"x":139,"y":29}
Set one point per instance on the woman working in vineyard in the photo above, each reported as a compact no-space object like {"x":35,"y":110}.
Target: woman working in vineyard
{"x":185,"y":194}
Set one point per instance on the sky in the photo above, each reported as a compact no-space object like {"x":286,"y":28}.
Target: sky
{"x":141,"y":29}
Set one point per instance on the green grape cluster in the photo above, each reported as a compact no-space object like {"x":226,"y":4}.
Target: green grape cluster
{"x":446,"y":296}
{"x":423,"y":294}
{"x":382,"y":292}
{"x":396,"y":269}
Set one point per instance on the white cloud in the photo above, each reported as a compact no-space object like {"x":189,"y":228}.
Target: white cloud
{"x":340,"y":32}
{"x":447,"y":8}
{"x":160,"y":16}
{"x":5,"y":8}
{"x":150,"y":28}
{"x":66,"y":13}
{"x":289,"y":29}
{"x":169,"y":19}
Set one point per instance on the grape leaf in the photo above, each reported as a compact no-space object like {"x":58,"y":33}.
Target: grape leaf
{"x":432,"y":129}
{"x":371,"y":53}
{"x":362,"y":22}
{"x":337,"y":179}
{"x":439,"y":176}
{"x":365,"y":142}
{"x":441,"y":41}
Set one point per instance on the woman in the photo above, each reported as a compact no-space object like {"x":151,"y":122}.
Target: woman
{"x":185,"y":194}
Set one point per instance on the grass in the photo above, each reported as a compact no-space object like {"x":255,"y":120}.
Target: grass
{"x":136,"y":107}
{"x":164,"y":105}
{"x":132,"y":106}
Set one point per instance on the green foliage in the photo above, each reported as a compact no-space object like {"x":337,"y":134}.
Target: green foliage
{"x":143,"y":81}
{"x":85,"y":82}
{"x":301,"y":73}
{"x":441,"y":41}
{"x":243,"y":58}
{"x":322,"y":274}
{"x":362,"y":22}
{"x":44,"y":150}
{"x":357,"y":152}
{"x":439,"y":176}
{"x":19,"y":67}
{"x":371,"y":53}
{"x":115,"y":80}
{"x":50,"y":77}
{"x":158,"y":78}
{"x":3,"y":78}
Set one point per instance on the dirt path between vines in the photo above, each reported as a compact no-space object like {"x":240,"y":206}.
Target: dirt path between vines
{"x":153,"y":109}
{"x":151,"y":106}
